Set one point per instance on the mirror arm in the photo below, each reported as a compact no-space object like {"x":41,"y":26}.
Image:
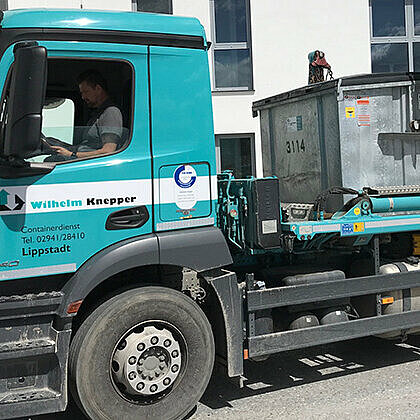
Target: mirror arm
{"x":13,"y":162}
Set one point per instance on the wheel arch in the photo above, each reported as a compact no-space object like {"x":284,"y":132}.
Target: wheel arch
{"x":187,"y":248}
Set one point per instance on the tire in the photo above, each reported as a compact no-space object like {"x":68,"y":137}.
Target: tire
{"x":105,"y":343}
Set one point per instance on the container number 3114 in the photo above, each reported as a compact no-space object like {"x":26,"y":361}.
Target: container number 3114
{"x":295,"y":146}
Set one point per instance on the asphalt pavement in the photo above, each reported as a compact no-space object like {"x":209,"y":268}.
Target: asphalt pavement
{"x":367,"y":378}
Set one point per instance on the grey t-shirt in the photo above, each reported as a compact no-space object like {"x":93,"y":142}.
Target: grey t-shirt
{"x":108,"y":122}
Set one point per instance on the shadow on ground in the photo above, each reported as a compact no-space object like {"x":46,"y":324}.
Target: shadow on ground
{"x":305,"y":366}
{"x":296,"y":368}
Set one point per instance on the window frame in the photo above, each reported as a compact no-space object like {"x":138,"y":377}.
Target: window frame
{"x":251,"y":137}
{"x":410,"y":38}
{"x":217,"y":46}
{"x":135,"y":7}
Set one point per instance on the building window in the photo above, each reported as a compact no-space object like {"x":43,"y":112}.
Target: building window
{"x":416,"y":49}
{"x":153,"y":6}
{"x":4,"y":4}
{"x":392,"y":57}
{"x":417,"y":17}
{"x":395,"y":35}
{"x":236,"y":153}
{"x":388,"y":18}
{"x":232,"y":56}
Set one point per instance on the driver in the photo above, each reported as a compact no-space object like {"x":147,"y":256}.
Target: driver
{"x":103,"y":130}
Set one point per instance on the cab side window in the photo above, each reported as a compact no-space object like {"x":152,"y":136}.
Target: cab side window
{"x":87,"y":110}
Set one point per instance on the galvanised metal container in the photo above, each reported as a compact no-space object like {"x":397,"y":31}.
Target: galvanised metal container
{"x":338,"y":133}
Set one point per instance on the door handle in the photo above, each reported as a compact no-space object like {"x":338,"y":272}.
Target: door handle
{"x":131,"y":218}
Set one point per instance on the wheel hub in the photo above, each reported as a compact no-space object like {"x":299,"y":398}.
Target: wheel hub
{"x":147,"y":362}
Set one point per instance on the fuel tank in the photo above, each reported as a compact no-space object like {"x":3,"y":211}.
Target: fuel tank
{"x":404,"y":300}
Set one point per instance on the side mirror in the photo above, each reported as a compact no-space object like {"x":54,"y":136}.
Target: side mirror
{"x":26,"y":98}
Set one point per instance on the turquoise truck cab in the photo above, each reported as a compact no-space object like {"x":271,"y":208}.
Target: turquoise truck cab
{"x":84,"y":220}
{"x":123,"y":274}
{"x":164,"y":168}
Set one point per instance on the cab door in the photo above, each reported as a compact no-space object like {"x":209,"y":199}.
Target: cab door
{"x":53,"y":223}
{"x":183,"y":138}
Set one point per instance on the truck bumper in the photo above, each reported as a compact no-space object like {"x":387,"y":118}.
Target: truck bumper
{"x":33,"y":355}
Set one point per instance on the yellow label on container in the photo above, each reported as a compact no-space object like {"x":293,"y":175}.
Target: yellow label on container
{"x":358,"y":227}
{"x":356,"y":211}
{"x":350,"y":112}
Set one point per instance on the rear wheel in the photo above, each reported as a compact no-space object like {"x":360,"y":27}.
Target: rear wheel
{"x":147,"y":353}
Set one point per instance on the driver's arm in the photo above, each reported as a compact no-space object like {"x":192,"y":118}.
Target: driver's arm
{"x":110,"y":142}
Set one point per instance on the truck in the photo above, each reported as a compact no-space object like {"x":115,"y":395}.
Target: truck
{"x":124,"y":276}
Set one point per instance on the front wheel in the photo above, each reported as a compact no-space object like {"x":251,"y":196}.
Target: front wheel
{"x":147,"y":353}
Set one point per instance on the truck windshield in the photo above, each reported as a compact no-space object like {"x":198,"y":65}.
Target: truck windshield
{"x":58,"y":118}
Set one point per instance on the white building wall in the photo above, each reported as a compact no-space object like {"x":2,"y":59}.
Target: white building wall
{"x":284,"y":32}
{"x":74,"y":4}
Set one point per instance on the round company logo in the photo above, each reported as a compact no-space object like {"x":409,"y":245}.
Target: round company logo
{"x":185,"y":176}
